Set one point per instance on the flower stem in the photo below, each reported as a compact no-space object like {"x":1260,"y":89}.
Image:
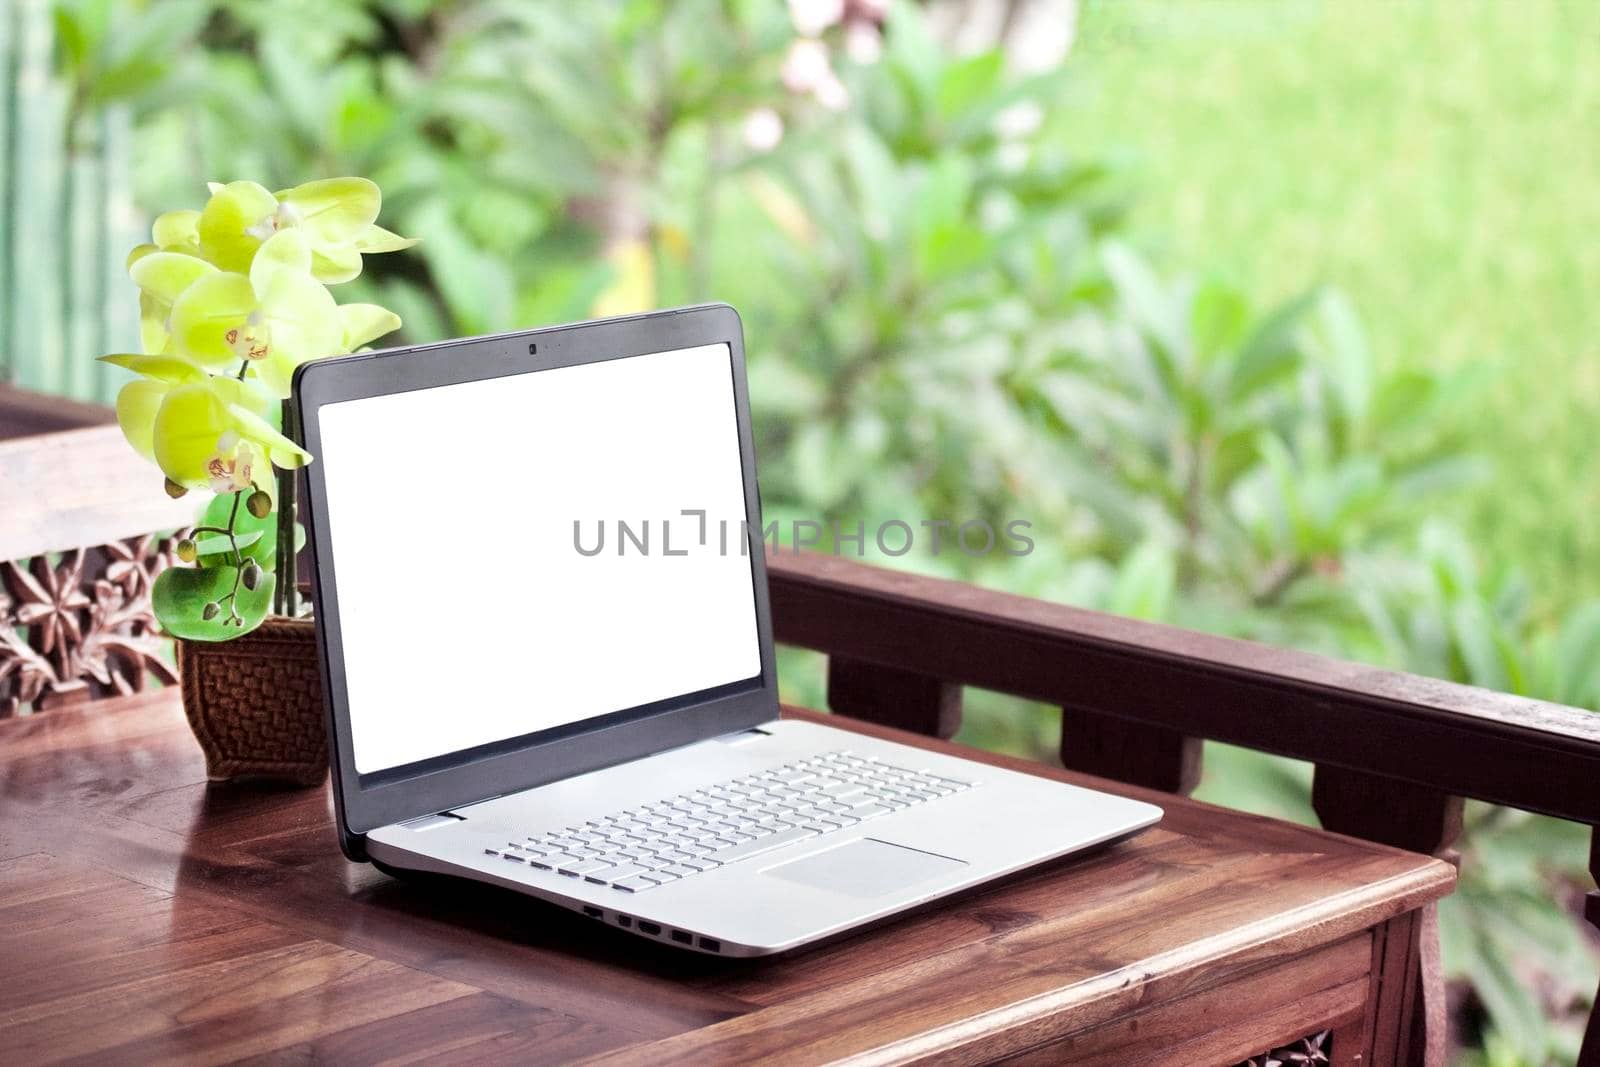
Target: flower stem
{"x":286,"y":595}
{"x":238,"y":559}
{"x":233,"y":518}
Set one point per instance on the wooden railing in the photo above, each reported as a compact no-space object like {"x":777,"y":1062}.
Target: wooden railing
{"x":1395,"y":754}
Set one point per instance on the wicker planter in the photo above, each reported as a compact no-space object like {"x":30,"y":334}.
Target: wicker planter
{"x":255,"y":703}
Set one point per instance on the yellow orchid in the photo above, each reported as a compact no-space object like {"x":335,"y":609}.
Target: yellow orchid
{"x":212,"y":434}
{"x":275,"y":318}
{"x":233,"y":298}
{"x":338,"y":217}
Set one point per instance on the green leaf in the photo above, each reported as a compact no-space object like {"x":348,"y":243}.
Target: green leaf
{"x":218,"y":544}
{"x":1351,"y":364}
{"x":1145,"y":583}
{"x":1143,"y":295}
{"x":1475,"y":637}
{"x":258,"y":538}
{"x":1217,"y":318}
{"x":912,"y":50}
{"x":968,"y":81}
{"x":181,"y":594}
{"x":1578,"y":658}
{"x":1272,"y":351}
{"x":71,"y":38}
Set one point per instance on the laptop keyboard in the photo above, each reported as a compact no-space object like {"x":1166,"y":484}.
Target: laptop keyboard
{"x":661,"y":842}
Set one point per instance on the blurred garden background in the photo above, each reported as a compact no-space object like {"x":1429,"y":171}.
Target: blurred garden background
{"x":1274,"y":319}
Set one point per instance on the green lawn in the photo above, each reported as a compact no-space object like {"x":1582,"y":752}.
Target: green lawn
{"x":1437,"y":161}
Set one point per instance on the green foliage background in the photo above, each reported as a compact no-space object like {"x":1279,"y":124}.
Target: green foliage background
{"x":1272,"y":325}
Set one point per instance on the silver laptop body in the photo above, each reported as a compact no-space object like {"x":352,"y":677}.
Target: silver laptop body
{"x":547,"y":654}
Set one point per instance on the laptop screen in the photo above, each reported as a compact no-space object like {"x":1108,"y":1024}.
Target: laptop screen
{"x":528,"y":553}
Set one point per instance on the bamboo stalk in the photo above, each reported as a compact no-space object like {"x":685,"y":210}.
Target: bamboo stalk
{"x":82,"y":247}
{"x":36,"y":345}
{"x":119,"y":322}
{"x":10,"y":18}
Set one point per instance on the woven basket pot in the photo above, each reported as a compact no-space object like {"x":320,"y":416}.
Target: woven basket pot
{"x":255,"y":703}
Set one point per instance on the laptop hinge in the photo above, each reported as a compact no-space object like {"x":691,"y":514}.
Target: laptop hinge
{"x":433,"y":822}
{"x":740,"y":737}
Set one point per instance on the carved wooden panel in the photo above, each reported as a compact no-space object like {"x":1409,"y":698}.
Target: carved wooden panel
{"x":1308,"y":1051}
{"x":77,"y":625}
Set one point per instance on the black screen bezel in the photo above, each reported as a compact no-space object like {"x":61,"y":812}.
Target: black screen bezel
{"x":365,"y":802}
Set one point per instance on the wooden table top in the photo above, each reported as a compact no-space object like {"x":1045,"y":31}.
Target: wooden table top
{"x":145,"y":915}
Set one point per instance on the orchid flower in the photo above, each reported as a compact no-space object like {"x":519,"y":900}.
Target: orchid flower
{"x":232,"y":298}
{"x":274,"y":318}
{"x":336,"y":215}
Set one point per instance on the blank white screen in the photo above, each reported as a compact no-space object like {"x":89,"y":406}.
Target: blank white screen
{"x":466,"y":612}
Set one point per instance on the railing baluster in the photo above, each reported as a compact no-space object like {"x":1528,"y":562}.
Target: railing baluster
{"x":1590,"y":1055}
{"x":1412,"y":817}
{"x":1128,"y":751}
{"x":893,"y":697}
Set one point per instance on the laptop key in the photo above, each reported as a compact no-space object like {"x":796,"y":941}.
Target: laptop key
{"x":612,"y":875}
{"x":636,"y":884}
{"x":581,"y":868}
{"x":868,"y":811}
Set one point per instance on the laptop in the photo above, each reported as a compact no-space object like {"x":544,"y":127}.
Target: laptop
{"x":542,"y":614}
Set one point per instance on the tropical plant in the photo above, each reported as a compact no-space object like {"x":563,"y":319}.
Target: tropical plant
{"x":232,"y":298}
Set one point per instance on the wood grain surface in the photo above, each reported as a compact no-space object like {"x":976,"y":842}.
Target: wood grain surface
{"x":146,"y":916}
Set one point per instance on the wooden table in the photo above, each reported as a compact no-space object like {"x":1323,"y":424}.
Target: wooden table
{"x":147,"y":916}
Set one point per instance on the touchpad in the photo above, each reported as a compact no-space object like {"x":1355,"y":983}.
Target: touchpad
{"x":866,"y":868}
